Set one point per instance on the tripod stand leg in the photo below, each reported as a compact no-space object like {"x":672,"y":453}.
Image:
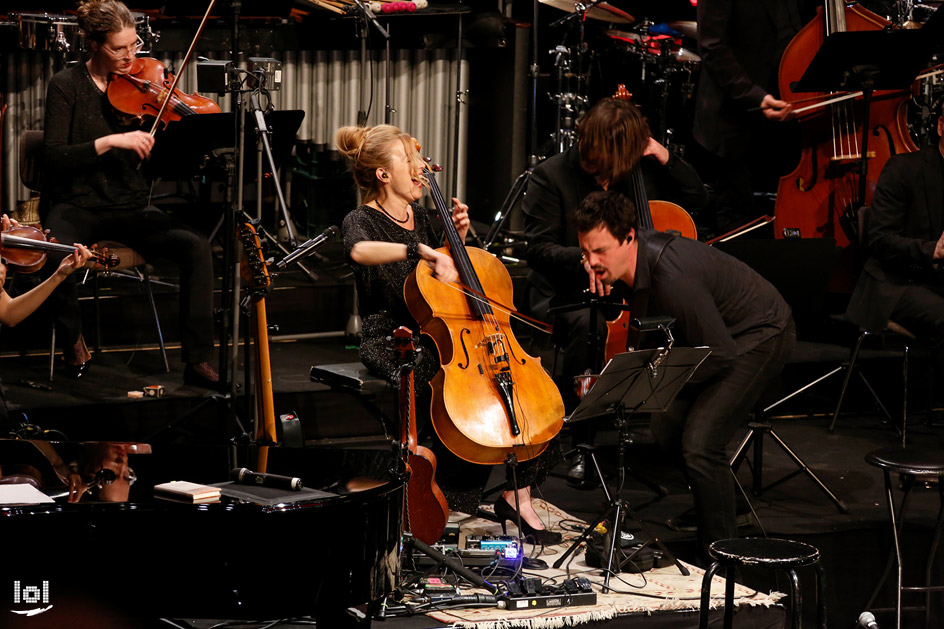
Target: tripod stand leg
{"x":655,"y":540}
{"x":583,"y":536}
{"x":613,"y":535}
{"x":780,"y":442}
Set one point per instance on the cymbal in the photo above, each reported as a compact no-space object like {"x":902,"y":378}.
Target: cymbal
{"x":685,"y":27}
{"x":601,"y":11}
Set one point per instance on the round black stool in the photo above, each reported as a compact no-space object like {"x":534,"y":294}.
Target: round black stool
{"x":784,"y":554}
{"x":909,"y":463}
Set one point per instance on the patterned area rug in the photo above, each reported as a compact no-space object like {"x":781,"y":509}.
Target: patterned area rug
{"x":661,"y":589}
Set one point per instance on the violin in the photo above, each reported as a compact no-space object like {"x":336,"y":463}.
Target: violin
{"x":24,"y":249}
{"x":142,"y":92}
{"x":490,"y":398}
{"x":150,"y":89}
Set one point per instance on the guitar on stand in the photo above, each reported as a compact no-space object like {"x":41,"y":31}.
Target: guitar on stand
{"x":255,"y":275}
{"x":426,"y":511}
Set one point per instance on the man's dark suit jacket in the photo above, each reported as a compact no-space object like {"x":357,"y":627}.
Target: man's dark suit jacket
{"x":740,"y":46}
{"x":905,"y":221}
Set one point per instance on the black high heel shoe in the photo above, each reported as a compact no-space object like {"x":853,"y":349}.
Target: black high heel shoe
{"x":505,"y":512}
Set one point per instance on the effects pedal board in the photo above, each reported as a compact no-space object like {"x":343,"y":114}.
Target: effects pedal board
{"x":529,"y":593}
{"x":503,"y":551}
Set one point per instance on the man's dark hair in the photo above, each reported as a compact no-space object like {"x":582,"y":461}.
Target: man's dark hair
{"x":612,"y":209}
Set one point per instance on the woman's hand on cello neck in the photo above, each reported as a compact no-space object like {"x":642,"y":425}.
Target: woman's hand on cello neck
{"x":460,"y":218}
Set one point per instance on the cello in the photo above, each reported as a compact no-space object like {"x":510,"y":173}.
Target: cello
{"x":814,"y":200}
{"x":490,"y":398}
{"x":662,"y":216}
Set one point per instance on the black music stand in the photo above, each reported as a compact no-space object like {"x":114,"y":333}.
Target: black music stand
{"x":186,"y":144}
{"x":640,"y":381}
{"x":866,"y":61}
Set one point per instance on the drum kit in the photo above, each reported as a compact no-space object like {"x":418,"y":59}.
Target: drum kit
{"x":657,"y":58}
{"x":50,"y":32}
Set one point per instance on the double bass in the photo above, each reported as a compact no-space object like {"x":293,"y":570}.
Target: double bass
{"x":490,"y":398}
{"x":814,"y":200}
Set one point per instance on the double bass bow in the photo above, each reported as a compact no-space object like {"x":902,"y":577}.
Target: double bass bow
{"x":490,"y":398}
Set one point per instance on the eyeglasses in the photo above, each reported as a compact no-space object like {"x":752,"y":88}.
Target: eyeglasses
{"x":121,"y":53}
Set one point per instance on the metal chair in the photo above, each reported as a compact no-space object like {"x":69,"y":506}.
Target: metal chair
{"x":894,"y":332}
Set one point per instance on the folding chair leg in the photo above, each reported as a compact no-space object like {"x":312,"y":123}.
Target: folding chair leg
{"x":52,"y":351}
{"x":157,"y":321}
{"x":845,"y":380}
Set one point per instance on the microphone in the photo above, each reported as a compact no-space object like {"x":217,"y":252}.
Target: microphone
{"x":245,"y":476}
{"x":307,"y":248}
{"x":867,"y":621}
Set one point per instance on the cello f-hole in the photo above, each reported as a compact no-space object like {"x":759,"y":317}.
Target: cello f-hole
{"x":465,"y":349}
{"x":511,"y":350}
{"x":888,"y":138}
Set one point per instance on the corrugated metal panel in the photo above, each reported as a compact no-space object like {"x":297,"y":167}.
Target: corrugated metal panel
{"x":329,"y":86}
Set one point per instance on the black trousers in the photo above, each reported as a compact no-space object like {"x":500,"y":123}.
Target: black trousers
{"x":155,"y":235}
{"x":921,"y":311}
{"x":702,"y":421}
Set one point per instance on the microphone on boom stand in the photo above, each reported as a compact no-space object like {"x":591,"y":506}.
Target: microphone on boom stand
{"x":307,"y":248}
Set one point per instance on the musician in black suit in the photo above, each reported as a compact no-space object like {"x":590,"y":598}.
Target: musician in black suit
{"x":740,"y":43}
{"x":905,"y":243}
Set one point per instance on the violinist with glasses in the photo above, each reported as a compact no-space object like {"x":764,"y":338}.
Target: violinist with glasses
{"x":96,"y":189}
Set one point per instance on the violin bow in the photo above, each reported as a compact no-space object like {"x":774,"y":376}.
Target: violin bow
{"x":180,"y":70}
{"x":470,"y":292}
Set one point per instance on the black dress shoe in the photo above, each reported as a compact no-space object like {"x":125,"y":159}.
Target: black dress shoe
{"x":577,"y":472}
{"x":202,"y":375}
{"x":505,"y":512}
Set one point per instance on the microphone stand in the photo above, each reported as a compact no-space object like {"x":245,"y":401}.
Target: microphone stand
{"x":370,"y":18}
{"x":263,"y":134}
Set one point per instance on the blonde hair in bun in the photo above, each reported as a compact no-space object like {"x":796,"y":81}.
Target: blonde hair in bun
{"x":98,"y":18}
{"x":370,"y":148}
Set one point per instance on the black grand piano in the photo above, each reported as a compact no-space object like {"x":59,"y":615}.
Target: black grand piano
{"x":121,"y":557}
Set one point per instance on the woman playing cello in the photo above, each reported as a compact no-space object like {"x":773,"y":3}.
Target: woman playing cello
{"x":97,"y":191}
{"x":385,"y":239}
